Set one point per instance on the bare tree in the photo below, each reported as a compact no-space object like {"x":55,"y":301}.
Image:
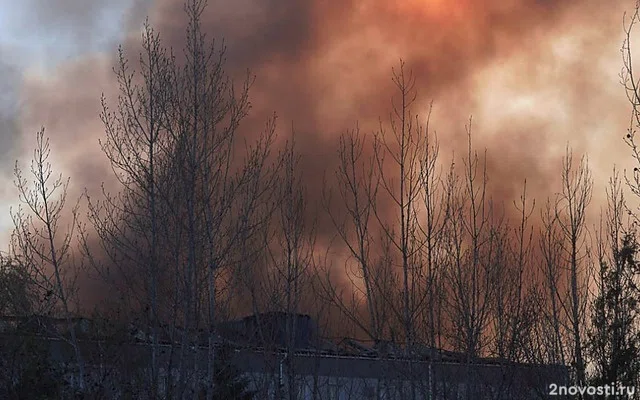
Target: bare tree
{"x":472,"y":237}
{"x":511,"y":269}
{"x":466,"y":234}
{"x":614,"y":340}
{"x":128,"y":224}
{"x":202,"y":119}
{"x":356,"y":185}
{"x":289,"y":257}
{"x":186,"y":202}
{"x":570,"y":209}
{"x":551,"y":245}
{"x":361,"y":219}
{"x":39,"y":243}
{"x":632,"y":90}
{"x":404,"y":190}
{"x":391,"y":213}
{"x":432,"y":230}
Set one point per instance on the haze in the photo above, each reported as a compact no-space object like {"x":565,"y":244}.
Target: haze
{"x":535,"y":75}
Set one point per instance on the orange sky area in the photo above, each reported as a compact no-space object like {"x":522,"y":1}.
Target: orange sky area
{"x":536,"y":75}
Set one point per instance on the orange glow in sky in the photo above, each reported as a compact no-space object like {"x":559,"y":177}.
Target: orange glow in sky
{"x":434,"y":8}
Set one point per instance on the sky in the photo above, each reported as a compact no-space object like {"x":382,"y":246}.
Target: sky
{"x":535,"y":76}
{"x":37,"y":38}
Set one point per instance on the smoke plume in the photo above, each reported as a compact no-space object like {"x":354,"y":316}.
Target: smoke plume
{"x":535,"y":74}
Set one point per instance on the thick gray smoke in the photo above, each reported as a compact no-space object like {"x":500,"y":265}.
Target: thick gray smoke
{"x":10,"y":134}
{"x":324,"y":66}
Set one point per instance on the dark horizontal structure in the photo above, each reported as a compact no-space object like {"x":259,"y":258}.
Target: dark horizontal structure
{"x":314,"y":368}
